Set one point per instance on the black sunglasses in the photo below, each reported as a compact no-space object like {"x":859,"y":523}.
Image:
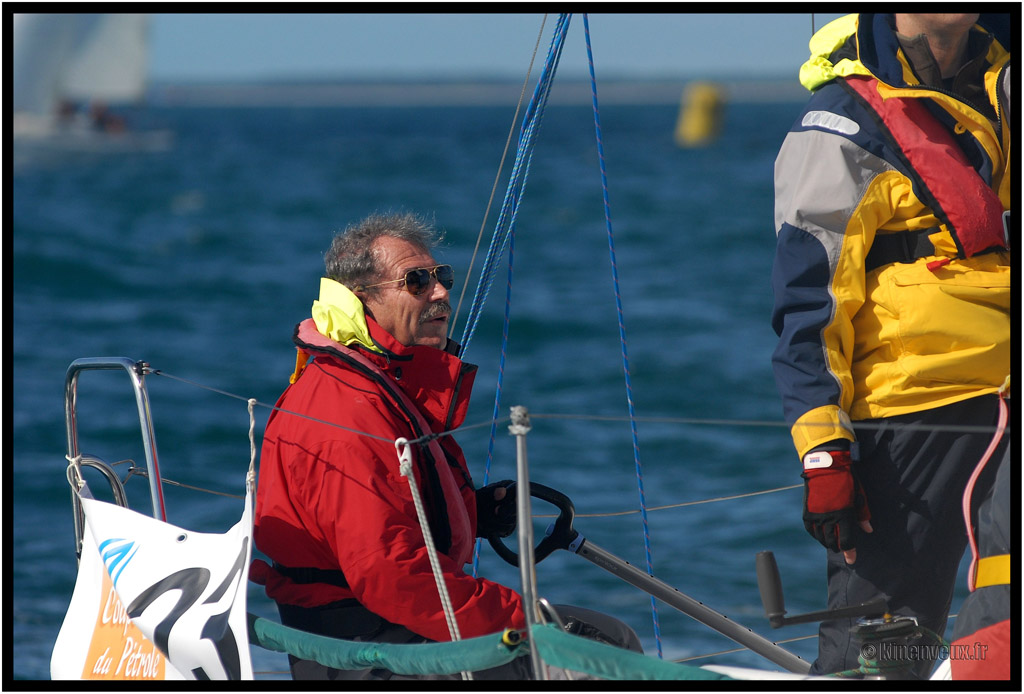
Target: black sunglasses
{"x":418,"y":281}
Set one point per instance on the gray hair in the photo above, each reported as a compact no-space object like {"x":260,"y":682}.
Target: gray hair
{"x":351,"y":259}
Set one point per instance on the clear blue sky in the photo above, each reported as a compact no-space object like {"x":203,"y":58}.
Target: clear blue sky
{"x":187,"y":47}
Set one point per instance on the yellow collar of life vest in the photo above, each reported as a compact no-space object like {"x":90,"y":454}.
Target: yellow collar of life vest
{"x":819,"y":69}
{"x":338,"y":315}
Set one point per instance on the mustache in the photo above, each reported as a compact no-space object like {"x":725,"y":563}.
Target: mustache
{"x":438,"y":308}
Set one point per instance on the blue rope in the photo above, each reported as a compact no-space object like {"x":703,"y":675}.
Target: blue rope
{"x":622,"y":333}
{"x":502,"y":240}
{"x":505,"y":225}
{"x":504,"y":233}
{"x":497,"y":390}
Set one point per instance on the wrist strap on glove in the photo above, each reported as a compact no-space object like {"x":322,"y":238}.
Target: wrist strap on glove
{"x":834,"y":500}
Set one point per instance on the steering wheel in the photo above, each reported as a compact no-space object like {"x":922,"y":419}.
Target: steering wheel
{"x":559,"y":536}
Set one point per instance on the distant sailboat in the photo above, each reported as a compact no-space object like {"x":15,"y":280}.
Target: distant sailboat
{"x":68,"y":70}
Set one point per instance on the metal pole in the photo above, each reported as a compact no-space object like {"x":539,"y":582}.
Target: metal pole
{"x":693,"y":608}
{"x":136,"y":372}
{"x":519,"y":428}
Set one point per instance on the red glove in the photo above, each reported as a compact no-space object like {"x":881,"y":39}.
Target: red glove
{"x":834,"y":500}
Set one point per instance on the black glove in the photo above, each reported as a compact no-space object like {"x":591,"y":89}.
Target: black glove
{"x":494,"y":516}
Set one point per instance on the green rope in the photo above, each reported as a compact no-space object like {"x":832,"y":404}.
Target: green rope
{"x":872,"y":667}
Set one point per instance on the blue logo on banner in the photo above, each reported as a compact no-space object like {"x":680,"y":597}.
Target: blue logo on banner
{"x":116,"y":553}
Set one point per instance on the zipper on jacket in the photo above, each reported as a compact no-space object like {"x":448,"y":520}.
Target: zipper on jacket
{"x":1000,"y":107}
{"x":463,"y":369}
{"x":953,"y":95}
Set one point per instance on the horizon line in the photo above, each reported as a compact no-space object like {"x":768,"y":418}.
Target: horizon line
{"x":402,"y":91}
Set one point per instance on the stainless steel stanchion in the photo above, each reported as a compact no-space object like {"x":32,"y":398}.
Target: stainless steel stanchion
{"x":519,"y":428}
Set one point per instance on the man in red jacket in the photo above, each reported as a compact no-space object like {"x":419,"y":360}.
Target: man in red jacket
{"x":333,"y":511}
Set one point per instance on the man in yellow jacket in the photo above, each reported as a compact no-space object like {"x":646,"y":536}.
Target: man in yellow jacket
{"x":892,"y":300}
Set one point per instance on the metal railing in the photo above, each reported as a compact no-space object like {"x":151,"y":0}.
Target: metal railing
{"x":136,"y":371}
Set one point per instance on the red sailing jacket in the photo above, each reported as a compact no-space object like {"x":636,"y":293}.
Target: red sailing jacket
{"x":333,"y":498}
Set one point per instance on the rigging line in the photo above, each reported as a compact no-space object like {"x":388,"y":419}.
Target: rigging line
{"x":662,"y":420}
{"x":422,"y":439}
{"x":405,"y":466}
{"x":967,"y":429}
{"x":517,"y":181}
{"x":134,"y":470}
{"x":526,"y":143}
{"x":497,"y":389}
{"x":142,"y":472}
{"x":954,"y":428}
{"x":622,"y":329}
{"x":450,"y":432}
{"x":497,"y":176}
{"x":502,"y":357}
{"x":681,"y":504}
{"x":740,"y":650}
{"x":512,"y":201}
{"x":278,"y":409}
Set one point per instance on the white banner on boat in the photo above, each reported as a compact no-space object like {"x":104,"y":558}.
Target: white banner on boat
{"x":185,"y":594}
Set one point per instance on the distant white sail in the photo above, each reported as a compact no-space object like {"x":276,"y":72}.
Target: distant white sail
{"x":155,"y":601}
{"x":111,"y":62}
{"x":78,"y":57}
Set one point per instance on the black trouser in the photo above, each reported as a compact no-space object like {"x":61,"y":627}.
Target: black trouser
{"x":914,"y":470}
{"x":351,"y":621}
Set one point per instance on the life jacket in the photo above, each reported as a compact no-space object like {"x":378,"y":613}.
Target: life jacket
{"x":457,"y":539}
{"x":968,"y":209}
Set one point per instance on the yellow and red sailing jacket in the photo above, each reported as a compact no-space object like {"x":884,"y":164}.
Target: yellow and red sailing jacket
{"x":892,"y":269}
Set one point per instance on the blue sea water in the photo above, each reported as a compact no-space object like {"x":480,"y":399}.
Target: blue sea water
{"x":200,"y":260}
